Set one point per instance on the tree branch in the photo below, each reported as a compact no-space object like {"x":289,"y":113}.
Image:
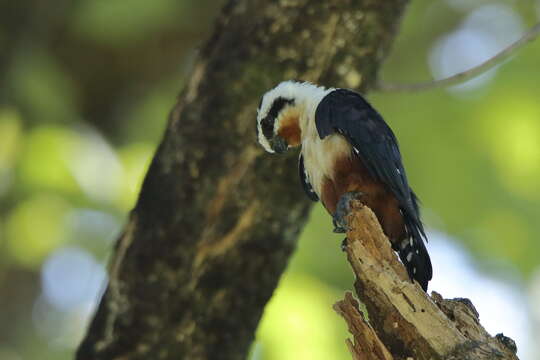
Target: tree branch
{"x":406,"y":320}
{"x":463,"y":76}
{"x":215,"y":222}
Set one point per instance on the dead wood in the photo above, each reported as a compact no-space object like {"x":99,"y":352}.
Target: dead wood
{"x":410,"y":323}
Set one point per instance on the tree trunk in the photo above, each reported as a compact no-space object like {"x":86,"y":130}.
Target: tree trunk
{"x":216,"y":221}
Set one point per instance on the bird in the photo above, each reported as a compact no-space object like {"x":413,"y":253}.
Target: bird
{"x":347,"y":152}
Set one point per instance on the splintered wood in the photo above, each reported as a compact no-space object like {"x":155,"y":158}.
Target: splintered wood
{"x":403,"y":320}
{"x":366,"y":344}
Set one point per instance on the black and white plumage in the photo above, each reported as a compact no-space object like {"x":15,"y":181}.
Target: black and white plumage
{"x":347,"y":148}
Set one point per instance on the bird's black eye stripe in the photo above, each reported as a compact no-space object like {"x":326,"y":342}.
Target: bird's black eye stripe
{"x":267,"y":124}
{"x":278,"y":105}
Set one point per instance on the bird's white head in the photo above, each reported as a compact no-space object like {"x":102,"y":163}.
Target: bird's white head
{"x":283,"y":113}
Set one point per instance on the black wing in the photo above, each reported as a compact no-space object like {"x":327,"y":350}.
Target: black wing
{"x":305,"y":181}
{"x":349,"y":114}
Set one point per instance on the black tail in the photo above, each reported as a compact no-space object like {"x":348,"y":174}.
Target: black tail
{"x":412,"y":250}
{"x":413,"y":254}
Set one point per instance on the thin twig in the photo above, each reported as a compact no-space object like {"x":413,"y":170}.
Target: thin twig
{"x":463,"y":76}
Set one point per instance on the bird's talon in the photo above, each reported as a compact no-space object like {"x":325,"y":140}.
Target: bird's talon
{"x":339,"y":226}
{"x":343,"y":209}
{"x":339,"y":230}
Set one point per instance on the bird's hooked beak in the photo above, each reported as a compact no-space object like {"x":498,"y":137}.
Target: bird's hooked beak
{"x":279,"y":145}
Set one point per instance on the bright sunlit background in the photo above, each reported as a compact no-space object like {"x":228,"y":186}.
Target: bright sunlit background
{"x":85,"y":91}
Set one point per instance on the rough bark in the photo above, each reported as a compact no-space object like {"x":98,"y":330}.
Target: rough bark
{"x":216,"y":222}
{"x":410,"y":323}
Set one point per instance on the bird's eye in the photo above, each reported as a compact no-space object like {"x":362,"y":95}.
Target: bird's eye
{"x":267,"y":125}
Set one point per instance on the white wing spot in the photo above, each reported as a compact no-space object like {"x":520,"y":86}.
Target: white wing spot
{"x":409,"y":256}
{"x":417,"y":252}
{"x":411,"y":242}
{"x":414,"y":270}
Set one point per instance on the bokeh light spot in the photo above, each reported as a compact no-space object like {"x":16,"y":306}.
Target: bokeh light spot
{"x":460,"y":51}
{"x":61,"y":329}
{"x":95,"y":167}
{"x":534,"y":291}
{"x":92,"y":228}
{"x":35,"y":227}
{"x":502,"y":306}
{"x":44,"y":159}
{"x":511,"y":133}
{"x":485,"y":32}
{"x":71,"y":277}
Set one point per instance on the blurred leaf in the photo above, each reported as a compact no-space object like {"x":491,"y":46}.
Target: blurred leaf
{"x":501,"y":226}
{"x":120,"y":22}
{"x":299,"y":322}
{"x":319,"y":251}
{"x":34,"y":228}
{"x":510,"y":130}
{"x":41,"y":88}
{"x":10,"y":136}
{"x":44,"y":159}
{"x":7,"y":353}
{"x":10,"y":132}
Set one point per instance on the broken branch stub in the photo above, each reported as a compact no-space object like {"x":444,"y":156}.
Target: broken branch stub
{"x":406,"y":320}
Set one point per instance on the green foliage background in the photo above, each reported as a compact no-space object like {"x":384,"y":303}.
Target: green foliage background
{"x":85,"y":90}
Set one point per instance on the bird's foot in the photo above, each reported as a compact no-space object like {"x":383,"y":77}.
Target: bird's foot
{"x":338,"y":229}
{"x":343,"y":209}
